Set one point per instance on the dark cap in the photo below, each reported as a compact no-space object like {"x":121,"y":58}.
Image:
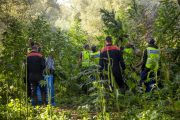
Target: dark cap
{"x":151,"y":41}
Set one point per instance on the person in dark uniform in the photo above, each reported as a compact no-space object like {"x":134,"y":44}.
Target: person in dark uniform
{"x":115,"y":55}
{"x":35,"y":66}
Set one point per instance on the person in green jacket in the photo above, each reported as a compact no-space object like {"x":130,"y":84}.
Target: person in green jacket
{"x":84,"y":57}
{"x":150,"y":59}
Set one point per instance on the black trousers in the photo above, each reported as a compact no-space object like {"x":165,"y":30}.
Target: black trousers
{"x":118,"y":78}
{"x":35,"y":79}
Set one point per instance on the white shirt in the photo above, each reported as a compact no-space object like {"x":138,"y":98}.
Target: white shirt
{"x":50,"y":63}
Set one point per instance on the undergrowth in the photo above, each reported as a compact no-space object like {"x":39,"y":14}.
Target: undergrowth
{"x":101,"y":102}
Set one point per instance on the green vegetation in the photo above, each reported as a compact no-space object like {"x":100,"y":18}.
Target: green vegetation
{"x":90,"y":22}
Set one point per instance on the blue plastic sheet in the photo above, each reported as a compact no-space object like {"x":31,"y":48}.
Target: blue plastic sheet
{"x":49,"y":90}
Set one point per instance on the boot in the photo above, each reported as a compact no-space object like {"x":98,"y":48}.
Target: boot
{"x":35,"y":100}
{"x":122,"y":90}
{"x":43,"y":99}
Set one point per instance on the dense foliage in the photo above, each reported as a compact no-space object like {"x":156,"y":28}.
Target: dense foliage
{"x":99,"y":102}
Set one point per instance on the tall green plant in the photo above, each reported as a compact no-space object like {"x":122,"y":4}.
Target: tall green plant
{"x":112,"y":25}
{"x":14,"y":52}
{"x":166,"y":26}
{"x":40,"y":31}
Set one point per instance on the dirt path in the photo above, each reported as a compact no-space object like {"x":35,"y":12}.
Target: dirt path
{"x":75,"y":114}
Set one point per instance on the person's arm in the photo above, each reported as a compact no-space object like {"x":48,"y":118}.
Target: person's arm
{"x":122,"y":48}
{"x":139,"y":64}
{"x":121,"y":60}
{"x":39,"y":49}
{"x":130,"y":40}
{"x":79,"y":63}
{"x":29,"y":41}
{"x":119,"y":44}
{"x":39,"y":45}
{"x":43,"y":66}
{"x":53,"y":65}
{"x":53,"y":68}
{"x":144,"y":60}
{"x":80,"y":60}
{"x":101,"y":62}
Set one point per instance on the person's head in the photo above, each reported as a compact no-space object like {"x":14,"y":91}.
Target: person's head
{"x":52,"y":54}
{"x":94,"y":49}
{"x":121,"y":39}
{"x":138,"y":53}
{"x":151,"y":41}
{"x":128,"y":45}
{"x":34,"y":48}
{"x":32,"y":43}
{"x":108,"y":40}
{"x":87,"y":47}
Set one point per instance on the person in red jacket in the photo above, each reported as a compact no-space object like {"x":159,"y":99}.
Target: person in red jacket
{"x":35,"y":66}
{"x":115,"y":56}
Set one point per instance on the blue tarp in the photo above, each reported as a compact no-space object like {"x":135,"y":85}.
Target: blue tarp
{"x":49,"y":87}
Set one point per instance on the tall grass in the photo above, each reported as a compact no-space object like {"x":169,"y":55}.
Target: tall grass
{"x":105,"y":88}
{"x":113,"y":82}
